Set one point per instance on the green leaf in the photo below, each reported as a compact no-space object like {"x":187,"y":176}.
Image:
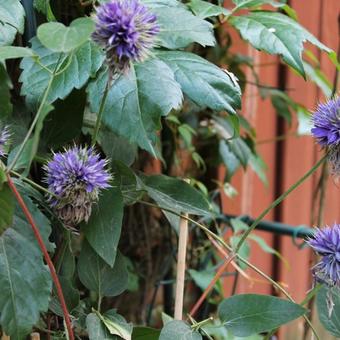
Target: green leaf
{"x":276,"y":33}
{"x":25,"y":156}
{"x":59,"y":38}
{"x":319,"y":78}
{"x":30,"y":149}
{"x":259,"y":167}
{"x":116,"y":324}
{"x":46,"y":109}
{"x":3,"y":178}
{"x":96,"y":329}
{"x":229,"y":159}
{"x":255,"y":3}
{"x":176,"y":194}
{"x":179,"y":27}
{"x":137,"y":101}
{"x":161,"y":3}
{"x":12,"y":20}
{"x":203,"y":82}
{"x":166,"y":318}
{"x":265,"y":247}
{"x":25,"y":280}
{"x":238,"y":225}
{"x":44,"y":7}
{"x":66,"y":263}
{"x":170,"y":193}
{"x":282,"y":107}
{"x":84,"y":64}
{"x":145,"y":333}
{"x":205,"y":9}
{"x":7,"y":204}
{"x":247,"y":314}
{"x":96,"y":275}
{"x":13,"y":52}
{"x":178,"y":330}
{"x":244,"y":251}
{"x":64,"y":123}
{"x":220,"y":333}
{"x":117,"y":147}
{"x":133,"y":282}
{"x":236,"y":145}
{"x":104,"y":226}
{"x":304,"y":121}
{"x":331,"y":321}
{"x":71,"y":295}
{"x":202,"y":278}
{"x":6,"y":106}
{"x":127,"y":181}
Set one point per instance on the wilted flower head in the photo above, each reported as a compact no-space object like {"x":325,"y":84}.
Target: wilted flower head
{"x":75,"y":177}
{"x":326,"y":242}
{"x":126,"y":29}
{"x":326,"y":121}
{"x":4,"y":139}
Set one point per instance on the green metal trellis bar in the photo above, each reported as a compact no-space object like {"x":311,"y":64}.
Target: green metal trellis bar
{"x":274,"y":227}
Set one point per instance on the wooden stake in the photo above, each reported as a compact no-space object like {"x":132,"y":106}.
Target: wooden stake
{"x":181,"y":259}
{"x":5,"y":337}
{"x":35,"y":336}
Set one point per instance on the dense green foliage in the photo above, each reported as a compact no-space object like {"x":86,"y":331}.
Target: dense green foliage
{"x":165,"y":108}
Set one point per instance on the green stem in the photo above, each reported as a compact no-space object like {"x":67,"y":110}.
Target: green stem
{"x":311,"y":294}
{"x":99,"y":303}
{"x":240,"y":258}
{"x":60,"y":71}
{"x":100,"y":114}
{"x":36,"y":118}
{"x":33,"y":184}
{"x":277,"y":202}
{"x":195,"y":324}
{"x":198,"y":325}
{"x":322,"y":199}
{"x":42,"y":65}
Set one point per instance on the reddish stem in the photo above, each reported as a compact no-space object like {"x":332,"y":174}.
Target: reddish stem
{"x":46,"y":255}
{"x":212,"y":283}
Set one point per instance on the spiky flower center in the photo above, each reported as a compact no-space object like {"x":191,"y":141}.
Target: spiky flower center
{"x":326,"y":243}
{"x":326,"y":123}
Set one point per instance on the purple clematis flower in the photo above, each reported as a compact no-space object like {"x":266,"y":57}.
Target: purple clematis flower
{"x":326,"y":243}
{"x":326,"y":130}
{"x":126,"y":30}
{"x":4,"y":139}
{"x":75,"y":178}
{"x":326,"y":121}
